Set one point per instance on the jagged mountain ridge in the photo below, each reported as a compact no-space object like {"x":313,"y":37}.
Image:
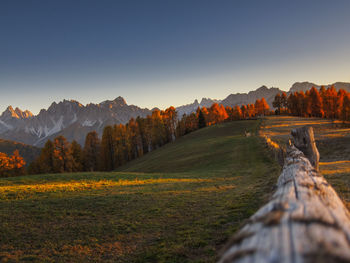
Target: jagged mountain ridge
{"x":232,"y":100}
{"x":69,"y":118}
{"x":250,"y":97}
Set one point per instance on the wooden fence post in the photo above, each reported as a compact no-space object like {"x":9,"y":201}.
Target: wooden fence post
{"x":305,"y":220}
{"x":304,"y":140}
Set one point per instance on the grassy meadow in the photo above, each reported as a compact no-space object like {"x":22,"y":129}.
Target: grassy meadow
{"x":333,"y":143}
{"x":180,"y":203}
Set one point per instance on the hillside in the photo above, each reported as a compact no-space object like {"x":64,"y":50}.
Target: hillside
{"x":179,"y":203}
{"x":28,"y":152}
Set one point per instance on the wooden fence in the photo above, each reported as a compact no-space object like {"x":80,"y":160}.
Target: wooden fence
{"x":305,"y":220}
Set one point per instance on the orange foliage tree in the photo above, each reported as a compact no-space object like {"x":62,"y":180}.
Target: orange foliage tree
{"x":13,"y":165}
{"x":327,"y":103}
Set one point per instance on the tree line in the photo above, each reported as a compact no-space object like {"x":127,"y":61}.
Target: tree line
{"x":323,"y":103}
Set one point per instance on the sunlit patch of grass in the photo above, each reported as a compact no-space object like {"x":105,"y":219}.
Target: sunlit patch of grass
{"x":335,"y":167}
{"x":22,"y":191}
{"x":271,"y":143}
{"x":335,"y":163}
{"x":335,"y":171}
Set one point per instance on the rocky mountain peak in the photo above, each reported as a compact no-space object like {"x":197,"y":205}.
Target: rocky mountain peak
{"x":10,"y":118}
{"x":117,"y":102}
{"x":302,"y":86}
{"x":262,"y":88}
{"x":120,"y":101}
{"x":10,"y":113}
{"x":23,"y":114}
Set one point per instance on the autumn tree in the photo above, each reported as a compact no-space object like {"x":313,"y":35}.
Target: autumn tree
{"x":302,"y":104}
{"x":121,"y":148}
{"x":107,"y":149}
{"x":251,"y":110}
{"x":261,"y":107}
{"x":277,"y":103}
{"x":330,"y":102}
{"x":77,"y":154}
{"x":158,"y":131}
{"x":170,"y":121}
{"x":145,"y":137}
{"x":284,"y":101}
{"x":5,"y":165}
{"x":91,"y":152}
{"x":244,"y":111}
{"x":191,"y":123}
{"x":316,"y":103}
{"x":136,"y":138}
{"x":237,"y":113}
{"x":345,"y":111}
{"x":217,"y":114}
{"x":340,"y":100}
{"x":18,"y":164}
{"x":181,"y":127}
{"x":11,"y":165}
{"x":62,"y":155}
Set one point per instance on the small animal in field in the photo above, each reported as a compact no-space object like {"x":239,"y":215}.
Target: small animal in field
{"x":247,"y":133}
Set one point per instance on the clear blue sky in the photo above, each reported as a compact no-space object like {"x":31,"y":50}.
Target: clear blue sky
{"x":161,"y":53}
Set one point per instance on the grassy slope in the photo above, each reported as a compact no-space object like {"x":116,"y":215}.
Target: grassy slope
{"x":333,"y":143}
{"x":179,"y":203}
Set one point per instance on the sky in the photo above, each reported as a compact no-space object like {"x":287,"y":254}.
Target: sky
{"x":162,"y":53}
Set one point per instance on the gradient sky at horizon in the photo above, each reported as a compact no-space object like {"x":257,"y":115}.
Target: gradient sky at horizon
{"x":162,"y":53}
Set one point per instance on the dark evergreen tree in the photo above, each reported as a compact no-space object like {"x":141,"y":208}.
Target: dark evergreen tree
{"x":77,"y":154}
{"x":91,"y":152}
{"x":201,"y":120}
{"x":108,"y":149}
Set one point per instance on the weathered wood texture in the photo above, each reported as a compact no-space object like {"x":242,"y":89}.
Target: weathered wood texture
{"x":305,"y":221}
{"x":304,"y":140}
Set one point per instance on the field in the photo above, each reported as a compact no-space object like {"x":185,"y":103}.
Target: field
{"x":333,"y":143}
{"x":180,"y":203}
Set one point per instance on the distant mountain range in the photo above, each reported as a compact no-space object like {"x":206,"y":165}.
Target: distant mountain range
{"x":74,"y":120}
{"x":68,"y":118}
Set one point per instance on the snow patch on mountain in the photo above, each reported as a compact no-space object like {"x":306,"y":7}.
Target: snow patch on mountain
{"x":88,"y":123}
{"x":7,"y":126}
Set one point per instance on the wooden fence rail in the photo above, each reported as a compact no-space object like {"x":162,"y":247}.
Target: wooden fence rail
{"x":305,"y":220}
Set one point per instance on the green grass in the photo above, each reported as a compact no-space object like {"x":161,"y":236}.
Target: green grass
{"x":179,"y":203}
